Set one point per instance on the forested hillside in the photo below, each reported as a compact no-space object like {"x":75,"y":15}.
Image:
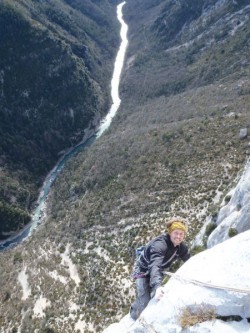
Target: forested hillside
{"x":173,"y":149}
{"x":56,"y":63}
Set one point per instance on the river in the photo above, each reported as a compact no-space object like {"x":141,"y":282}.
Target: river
{"x":40,"y":211}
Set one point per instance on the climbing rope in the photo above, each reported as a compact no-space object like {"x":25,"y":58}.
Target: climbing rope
{"x":209,"y":285}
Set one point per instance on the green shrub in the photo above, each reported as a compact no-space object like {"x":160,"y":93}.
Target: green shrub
{"x":62,"y":249}
{"x":6,"y":296}
{"x":48,"y":330}
{"x":232,"y":232}
{"x":227,"y":198}
{"x":167,"y":137}
{"x":17,"y":257}
{"x":197,"y":249}
{"x":210,"y":228}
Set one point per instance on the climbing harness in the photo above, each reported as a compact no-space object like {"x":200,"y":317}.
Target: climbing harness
{"x":138,"y":276}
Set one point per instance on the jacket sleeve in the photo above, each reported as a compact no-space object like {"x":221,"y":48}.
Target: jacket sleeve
{"x":157,"y":253}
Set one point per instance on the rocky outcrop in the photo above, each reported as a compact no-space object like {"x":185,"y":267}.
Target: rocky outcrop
{"x":234,"y":216}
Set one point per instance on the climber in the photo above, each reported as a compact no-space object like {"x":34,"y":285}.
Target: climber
{"x":156,"y":256}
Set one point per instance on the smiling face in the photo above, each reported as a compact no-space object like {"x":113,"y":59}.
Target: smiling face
{"x":177,"y":236}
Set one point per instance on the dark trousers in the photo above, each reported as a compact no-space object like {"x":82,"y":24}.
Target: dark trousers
{"x":143,"y":297}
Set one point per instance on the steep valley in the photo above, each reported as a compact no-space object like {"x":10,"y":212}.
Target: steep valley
{"x":55,"y":70}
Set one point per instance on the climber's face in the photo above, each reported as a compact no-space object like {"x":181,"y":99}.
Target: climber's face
{"x":177,"y":236}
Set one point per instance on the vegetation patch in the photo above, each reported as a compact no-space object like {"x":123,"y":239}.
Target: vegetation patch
{"x":232,"y":232}
{"x":191,"y":316}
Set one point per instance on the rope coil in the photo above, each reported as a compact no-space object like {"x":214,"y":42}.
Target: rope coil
{"x":205,"y":284}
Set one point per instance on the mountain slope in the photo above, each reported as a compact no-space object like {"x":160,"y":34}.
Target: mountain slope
{"x":56,"y":64}
{"x":185,"y":44}
{"x":173,"y":149}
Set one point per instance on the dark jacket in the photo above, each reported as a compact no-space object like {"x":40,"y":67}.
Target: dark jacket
{"x":158,"y":255}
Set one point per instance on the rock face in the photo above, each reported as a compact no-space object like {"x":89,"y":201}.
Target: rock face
{"x":212,"y":297}
{"x":234,"y":217}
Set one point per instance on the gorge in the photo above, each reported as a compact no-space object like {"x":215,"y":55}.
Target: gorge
{"x":56,"y":66}
{"x":173,"y":149}
{"x":88,"y":139}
